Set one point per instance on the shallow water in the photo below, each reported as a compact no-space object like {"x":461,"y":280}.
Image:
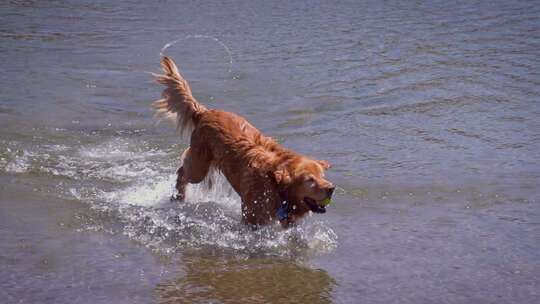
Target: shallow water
{"x":428,"y":112}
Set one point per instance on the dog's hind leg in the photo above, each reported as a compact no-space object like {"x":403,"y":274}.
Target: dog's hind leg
{"x":194,"y":169}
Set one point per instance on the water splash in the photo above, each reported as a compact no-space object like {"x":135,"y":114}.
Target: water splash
{"x":20,"y":162}
{"x":208,"y":219}
{"x":197,"y":36}
{"x":128,"y":185}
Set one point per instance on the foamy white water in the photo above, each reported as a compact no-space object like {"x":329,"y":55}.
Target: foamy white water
{"x":134,"y":183}
{"x":210,"y":217}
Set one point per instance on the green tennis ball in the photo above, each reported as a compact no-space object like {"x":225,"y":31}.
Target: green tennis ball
{"x":326,"y":202}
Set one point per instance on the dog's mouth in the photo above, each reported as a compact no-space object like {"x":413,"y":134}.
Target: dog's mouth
{"x":314,"y":206}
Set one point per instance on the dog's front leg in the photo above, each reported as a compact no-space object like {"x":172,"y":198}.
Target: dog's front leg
{"x":181,"y":183}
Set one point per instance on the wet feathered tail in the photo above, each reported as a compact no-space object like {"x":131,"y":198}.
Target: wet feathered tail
{"x":177,"y":102}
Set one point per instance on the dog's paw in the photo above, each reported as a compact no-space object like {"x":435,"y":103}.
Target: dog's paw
{"x":177,"y":198}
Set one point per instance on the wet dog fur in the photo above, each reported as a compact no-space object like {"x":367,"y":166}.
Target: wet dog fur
{"x":267,"y":176}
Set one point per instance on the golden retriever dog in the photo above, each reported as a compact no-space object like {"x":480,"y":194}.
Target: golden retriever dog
{"x":274,"y":183}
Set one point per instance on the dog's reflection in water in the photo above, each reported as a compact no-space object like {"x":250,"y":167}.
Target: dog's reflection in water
{"x":254,"y":280}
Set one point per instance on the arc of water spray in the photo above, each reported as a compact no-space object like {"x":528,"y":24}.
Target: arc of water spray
{"x":225,"y":47}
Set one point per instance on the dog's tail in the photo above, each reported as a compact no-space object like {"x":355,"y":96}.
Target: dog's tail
{"x":177,"y":102}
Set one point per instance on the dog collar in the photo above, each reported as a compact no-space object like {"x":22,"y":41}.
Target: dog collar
{"x":282,"y":212}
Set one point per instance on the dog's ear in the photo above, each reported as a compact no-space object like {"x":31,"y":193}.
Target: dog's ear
{"x":282,"y":177}
{"x":326,"y":165}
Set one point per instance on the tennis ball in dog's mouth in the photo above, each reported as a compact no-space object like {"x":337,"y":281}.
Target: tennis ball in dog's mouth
{"x":326,"y":202}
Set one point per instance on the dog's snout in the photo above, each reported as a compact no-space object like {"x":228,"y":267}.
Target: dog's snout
{"x":330,"y":190}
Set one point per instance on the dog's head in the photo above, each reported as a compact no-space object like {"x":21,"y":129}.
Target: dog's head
{"x":302,"y":180}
